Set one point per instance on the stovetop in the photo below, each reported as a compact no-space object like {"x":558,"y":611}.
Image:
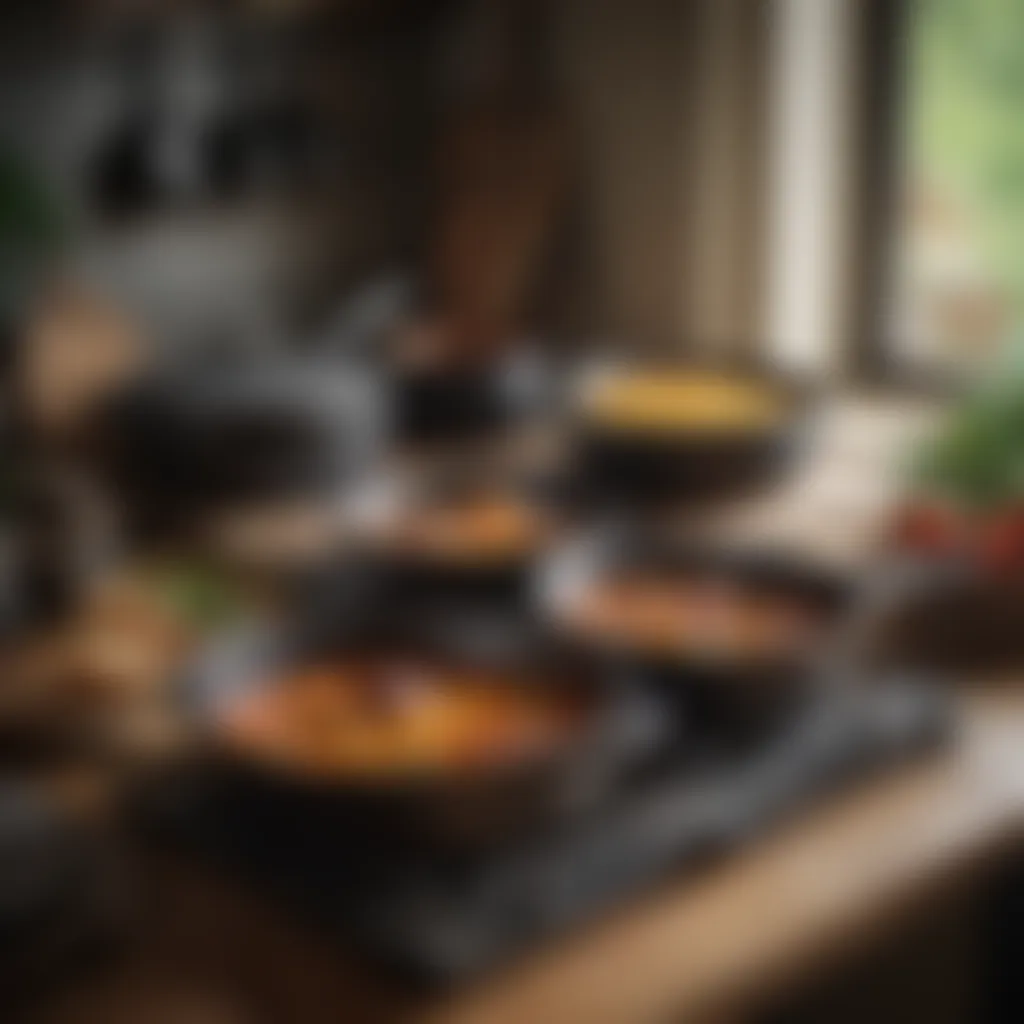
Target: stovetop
{"x":439,"y":915}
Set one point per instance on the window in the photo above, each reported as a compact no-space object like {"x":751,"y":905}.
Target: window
{"x":958,"y":262}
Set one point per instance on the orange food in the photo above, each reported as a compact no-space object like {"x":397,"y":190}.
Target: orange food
{"x":482,"y":527}
{"x":706,"y":618}
{"x":392,"y":717}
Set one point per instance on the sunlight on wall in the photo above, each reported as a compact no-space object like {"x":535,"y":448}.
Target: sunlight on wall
{"x":807,"y":181}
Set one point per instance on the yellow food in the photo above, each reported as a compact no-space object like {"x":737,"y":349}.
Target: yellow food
{"x":683,"y":402}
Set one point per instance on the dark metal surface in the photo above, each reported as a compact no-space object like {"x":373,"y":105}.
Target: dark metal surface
{"x":437,"y":917}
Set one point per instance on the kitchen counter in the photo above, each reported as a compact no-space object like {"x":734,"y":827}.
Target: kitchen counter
{"x":801,"y":900}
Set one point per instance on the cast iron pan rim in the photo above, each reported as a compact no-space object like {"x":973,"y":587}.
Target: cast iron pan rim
{"x":434,"y":489}
{"x":766,"y":571}
{"x":627,"y":466}
{"x":797,"y":389}
{"x":622,"y":547}
{"x":273,"y":652}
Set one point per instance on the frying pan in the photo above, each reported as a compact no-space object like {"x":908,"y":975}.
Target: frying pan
{"x":468,"y":400}
{"x":726,"y":694}
{"x":423,"y":577}
{"x":448,"y":809}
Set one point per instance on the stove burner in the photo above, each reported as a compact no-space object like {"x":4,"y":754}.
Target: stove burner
{"x":437,"y":916}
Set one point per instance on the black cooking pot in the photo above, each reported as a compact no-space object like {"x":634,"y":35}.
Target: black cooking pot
{"x":618,"y":465}
{"x":444,"y":809}
{"x":444,"y":405}
{"x":466,"y":402}
{"x":183,"y":445}
{"x":727,"y":693}
{"x":420,"y":575}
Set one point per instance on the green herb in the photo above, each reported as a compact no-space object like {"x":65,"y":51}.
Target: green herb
{"x":977,"y":458}
{"x":203,"y":597}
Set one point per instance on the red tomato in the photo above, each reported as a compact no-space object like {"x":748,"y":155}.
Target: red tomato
{"x":999,"y":544}
{"x":929,"y":528}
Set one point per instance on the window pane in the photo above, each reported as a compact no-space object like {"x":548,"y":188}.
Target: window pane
{"x":959,"y":288}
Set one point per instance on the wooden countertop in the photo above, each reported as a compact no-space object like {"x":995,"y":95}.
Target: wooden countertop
{"x":790,"y":904}
{"x":793,"y":903}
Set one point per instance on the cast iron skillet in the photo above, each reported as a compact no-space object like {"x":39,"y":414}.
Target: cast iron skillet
{"x":724,"y":694}
{"x":624,"y":467}
{"x":446,"y":405}
{"x":465,"y":402}
{"x":185,"y":444}
{"x":445,"y":809}
{"x":423,"y":577}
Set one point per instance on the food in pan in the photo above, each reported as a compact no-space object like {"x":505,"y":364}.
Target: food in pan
{"x":674,"y":402}
{"x":392,"y":717}
{"x":481,"y":526}
{"x":707,"y":618}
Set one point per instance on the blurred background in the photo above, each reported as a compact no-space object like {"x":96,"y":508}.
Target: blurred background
{"x":834,"y":186}
{"x":677,"y":176}
{"x":672,"y":343}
